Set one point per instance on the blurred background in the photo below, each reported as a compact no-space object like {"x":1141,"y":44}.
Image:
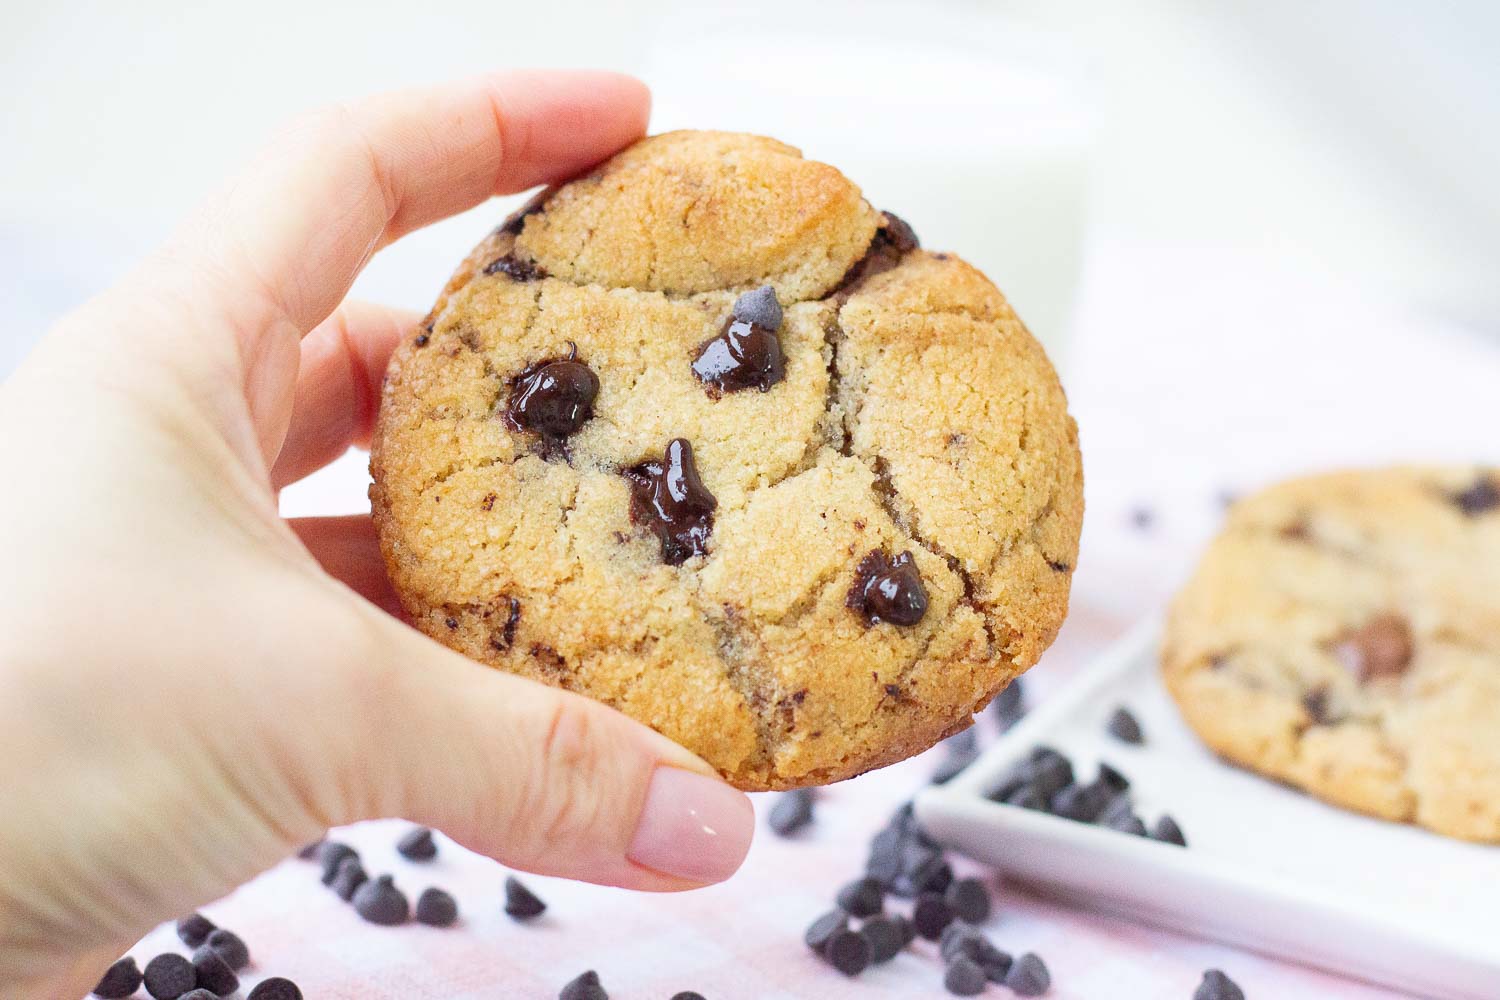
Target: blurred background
{"x":1256,"y":237}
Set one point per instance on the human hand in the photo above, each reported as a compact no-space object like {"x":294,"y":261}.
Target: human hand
{"x":191,"y":687}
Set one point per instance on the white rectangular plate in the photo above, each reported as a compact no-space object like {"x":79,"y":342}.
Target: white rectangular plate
{"x":1266,"y":867}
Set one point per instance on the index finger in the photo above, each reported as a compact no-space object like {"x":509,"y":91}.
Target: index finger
{"x":294,"y":230}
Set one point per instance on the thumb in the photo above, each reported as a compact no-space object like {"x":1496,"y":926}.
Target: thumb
{"x":541,"y":779}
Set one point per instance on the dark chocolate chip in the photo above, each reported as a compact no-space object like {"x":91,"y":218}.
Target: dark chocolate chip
{"x":119,"y":980}
{"x":887,"y":936}
{"x":1316,"y":704}
{"x":864,"y":897}
{"x":760,"y":307}
{"x":275,"y":988}
{"x":743,"y":355}
{"x":436,"y":908}
{"x":971,"y":943}
{"x":331,"y":855}
{"x":1124,"y":726}
{"x":380,"y":902}
{"x":1059,"y":566}
{"x":1217,"y":986}
{"x":848,"y":951}
{"x":516,"y":268}
{"x":417,"y":844}
{"x":1129,"y":823}
{"x":953,"y":936}
{"x":1381,"y":647}
{"x":553,"y":398}
{"x":1028,"y":797}
{"x":585,"y":987}
{"x":1167,"y":831}
{"x":824,"y":928}
{"x":168,"y":976}
{"x":964,"y":977}
{"x":200,"y":994}
{"x":1050,"y":775}
{"x":930,"y":915}
{"x":961,"y":753}
{"x":517,"y":219}
{"x":1113,"y":779}
{"x":1028,"y":976}
{"x":350,"y":876}
{"x":669,"y":497}
{"x":888,"y":590}
{"x":1081,"y":803}
{"x":1009,"y":705}
{"x":898,"y":234}
{"x":687,"y":995}
{"x":423,"y":339}
{"x":1142,"y":518}
{"x":791,"y":811}
{"x":213,"y":973}
{"x":231,"y":948}
{"x":969,"y":899}
{"x":520,"y":902}
{"x":1480,"y":498}
{"x":310,"y":851}
{"x":927,"y":871}
{"x":194,"y":929}
{"x":892,"y":241}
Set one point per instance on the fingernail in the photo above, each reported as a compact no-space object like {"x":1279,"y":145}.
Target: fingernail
{"x":693,"y":827}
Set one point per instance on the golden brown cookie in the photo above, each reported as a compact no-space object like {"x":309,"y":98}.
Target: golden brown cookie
{"x":706,"y":437}
{"x":1343,"y":634}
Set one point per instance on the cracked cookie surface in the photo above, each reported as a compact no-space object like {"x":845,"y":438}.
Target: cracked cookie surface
{"x":1342,"y":634}
{"x":908,"y":410}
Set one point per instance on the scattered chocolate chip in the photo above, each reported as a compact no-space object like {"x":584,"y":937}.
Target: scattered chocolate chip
{"x":969,"y":899}
{"x":350,"y":876}
{"x":791,"y":811}
{"x":1129,"y":823}
{"x":1028,"y":976}
{"x":1081,"y":803}
{"x":1113,"y":779}
{"x":520,"y":902}
{"x":743,"y":355}
{"x":669,"y":497}
{"x":1480,"y":498}
{"x":864,"y":897}
{"x":687,"y":995}
{"x":213,"y":973}
{"x":1051,"y":772}
{"x":824,"y":928}
{"x":276,"y":988}
{"x":1142,"y":518}
{"x":963,"y":750}
{"x":436,"y":908}
{"x":1167,"y":831}
{"x":961,"y":939}
{"x":585,"y":987}
{"x":168,"y":976}
{"x":884,"y":863}
{"x":331,"y":855}
{"x":1217,"y":986}
{"x":119,"y":980}
{"x":194,"y":929}
{"x":417,"y":844}
{"x":1028,"y":797}
{"x":964,"y":977}
{"x":887,"y":936}
{"x":310,"y":851}
{"x":848,"y":951}
{"x":930,"y":915}
{"x":553,"y":398}
{"x":1009,"y":705}
{"x":925,"y":871}
{"x":1124,"y":726}
{"x":888,"y":590}
{"x":1381,"y":647}
{"x":200,"y":994}
{"x":515,"y":268}
{"x":231,"y":948}
{"x":380,"y":902}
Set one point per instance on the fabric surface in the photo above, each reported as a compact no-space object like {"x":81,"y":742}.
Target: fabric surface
{"x":1192,"y":372}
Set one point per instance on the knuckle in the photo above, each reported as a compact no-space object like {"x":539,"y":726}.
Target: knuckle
{"x":567,"y":791}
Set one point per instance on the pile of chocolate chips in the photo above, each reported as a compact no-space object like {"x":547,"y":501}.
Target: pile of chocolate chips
{"x":1044,"y":780}
{"x":211,"y":974}
{"x":378,"y":900}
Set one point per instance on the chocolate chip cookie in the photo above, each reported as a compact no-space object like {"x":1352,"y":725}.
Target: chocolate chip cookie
{"x":705,"y":436}
{"x":1343,"y":634}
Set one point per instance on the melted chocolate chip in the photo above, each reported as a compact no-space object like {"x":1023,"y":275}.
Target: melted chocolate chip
{"x":517,"y":219}
{"x":1315,"y":702}
{"x":1480,"y":498}
{"x":743,"y":356}
{"x":1381,"y":647}
{"x":515,"y":268}
{"x":888,"y":590}
{"x":893,"y":240}
{"x":669,"y":497}
{"x":553,"y":398}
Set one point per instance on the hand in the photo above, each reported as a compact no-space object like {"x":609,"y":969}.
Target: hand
{"x":191,"y":687}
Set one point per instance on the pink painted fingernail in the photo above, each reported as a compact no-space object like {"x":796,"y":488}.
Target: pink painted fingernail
{"x":694,"y":827}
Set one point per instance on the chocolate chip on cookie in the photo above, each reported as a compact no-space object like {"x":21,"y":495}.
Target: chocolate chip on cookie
{"x":746,"y":354}
{"x":1480,"y":498}
{"x":668,"y":496}
{"x":888,"y":590}
{"x":515,"y":268}
{"x":553,"y":398}
{"x":1381,"y":647}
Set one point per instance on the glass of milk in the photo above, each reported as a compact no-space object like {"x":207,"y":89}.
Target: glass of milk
{"x":965,"y":124}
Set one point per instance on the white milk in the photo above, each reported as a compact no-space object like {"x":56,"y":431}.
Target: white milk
{"x":962,"y":125}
